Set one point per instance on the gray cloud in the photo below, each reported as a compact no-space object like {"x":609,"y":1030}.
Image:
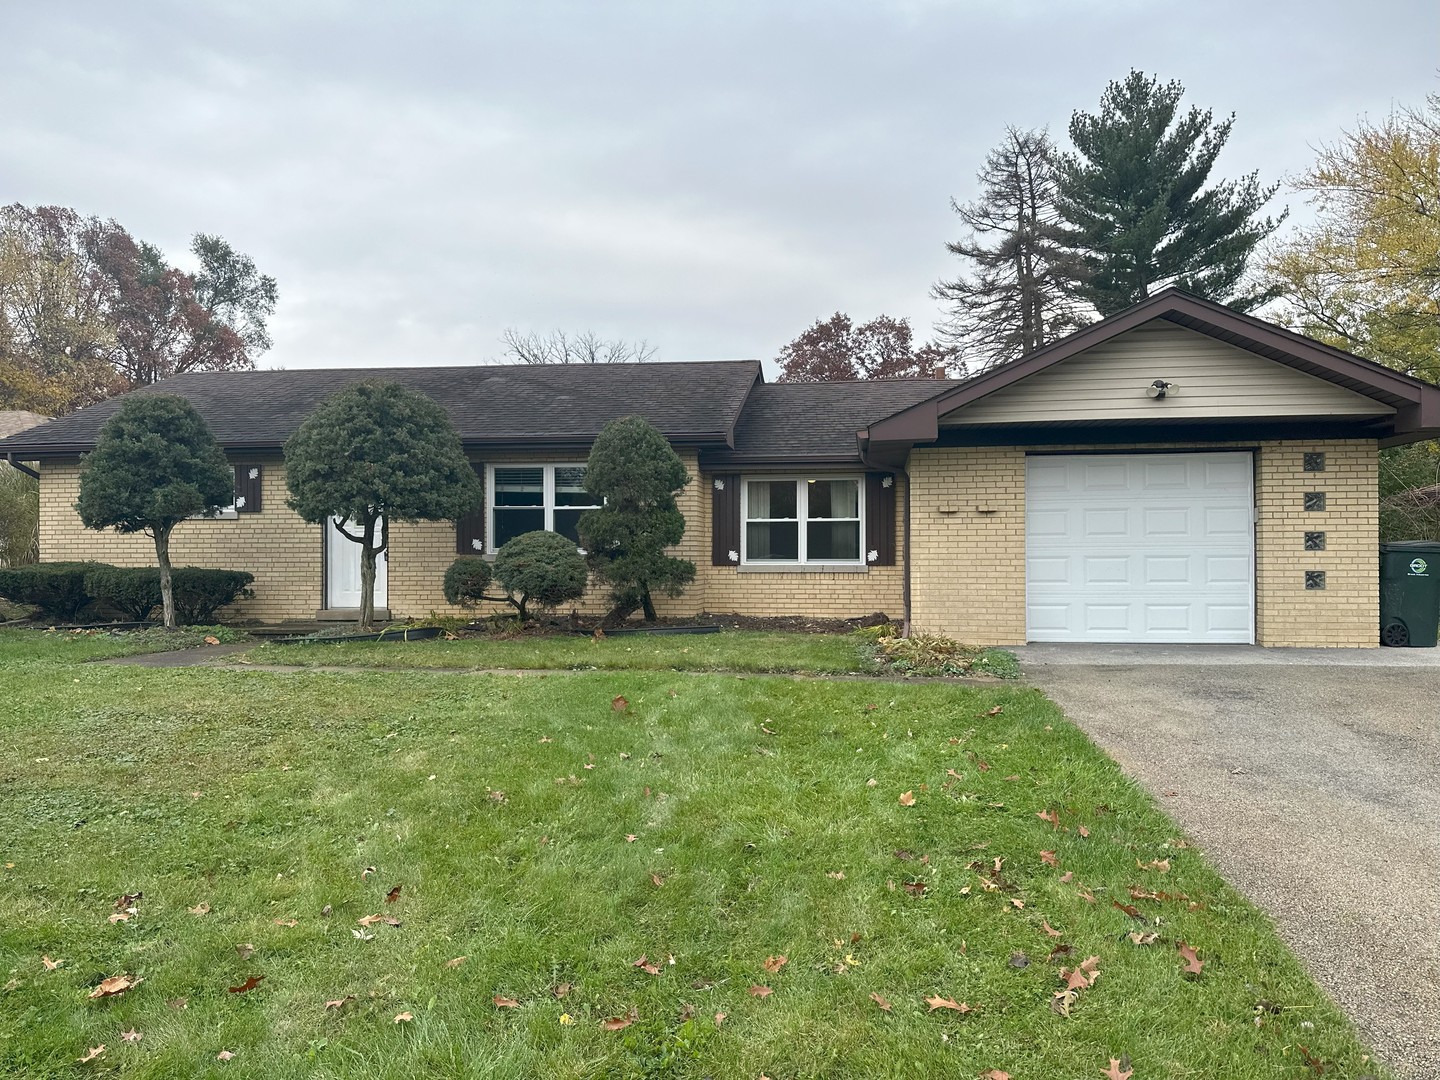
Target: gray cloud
{"x":709,"y":177}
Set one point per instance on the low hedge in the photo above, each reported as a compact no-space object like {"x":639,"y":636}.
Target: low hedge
{"x":58,"y":589}
{"x":63,"y":590}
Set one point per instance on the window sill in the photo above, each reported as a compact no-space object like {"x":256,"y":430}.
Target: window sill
{"x":802,"y":568}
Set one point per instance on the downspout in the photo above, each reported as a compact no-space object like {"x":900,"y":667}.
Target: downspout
{"x":904,"y":537}
{"x":26,"y":469}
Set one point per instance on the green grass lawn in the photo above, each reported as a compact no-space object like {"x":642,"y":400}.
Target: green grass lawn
{"x":729,"y":650}
{"x":552,"y":839}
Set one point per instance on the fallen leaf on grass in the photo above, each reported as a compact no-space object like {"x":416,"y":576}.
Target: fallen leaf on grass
{"x":224,"y":1055}
{"x":775,"y":963}
{"x":91,"y":1054}
{"x":339,"y":1003}
{"x":996,"y":711}
{"x":760,"y":991}
{"x":1052,"y":816}
{"x":369,"y":920}
{"x":118,"y":917}
{"x":916,"y":888}
{"x":618,"y":1023}
{"x":836,"y":875}
{"x":1313,"y":1063}
{"x":50,"y":965}
{"x":403,"y":1018}
{"x":211,"y":639}
{"x":246,"y":950}
{"x":1083,"y":831}
{"x":1128,"y":909}
{"x":938,"y":1002}
{"x":994,"y":1074}
{"x":1162,"y":865}
{"x":879,"y":999}
{"x":116,"y":984}
{"x":1050,"y":931}
{"x":199,"y":909}
{"x":291,"y":923}
{"x":630,"y":838}
{"x":178,"y":1004}
{"x":1115,"y":1072}
{"x":563,"y":990}
{"x":128,"y":902}
{"x":393,"y":895}
{"x":132,"y":1035}
{"x":1049,"y":859}
{"x":248,"y":985}
{"x":456,"y":962}
{"x":1143,"y":939}
{"x":505,"y":1003}
{"x":367,"y":872}
{"x":1192,"y":963}
{"x":1017,"y":902}
{"x":361,"y":935}
{"x":618,"y":703}
{"x":1018,"y":959}
{"x":646,"y":966}
{"x":907,"y":798}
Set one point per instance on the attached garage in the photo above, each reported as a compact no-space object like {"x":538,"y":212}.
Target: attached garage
{"x":1140,"y":547}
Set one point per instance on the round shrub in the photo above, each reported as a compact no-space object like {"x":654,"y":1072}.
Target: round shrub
{"x":540,"y":569}
{"x":466,"y":581}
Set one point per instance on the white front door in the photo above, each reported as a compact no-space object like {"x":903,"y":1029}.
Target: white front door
{"x":1140,"y":547}
{"x":342,"y":571}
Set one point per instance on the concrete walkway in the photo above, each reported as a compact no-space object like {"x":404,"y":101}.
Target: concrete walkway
{"x":1309,"y":777}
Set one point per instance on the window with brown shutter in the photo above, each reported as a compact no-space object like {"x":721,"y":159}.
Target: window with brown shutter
{"x":725,"y":519}
{"x":470,"y":529}
{"x":248,"y":475}
{"x":880,"y":519}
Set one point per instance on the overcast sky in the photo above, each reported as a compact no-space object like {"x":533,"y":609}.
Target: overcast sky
{"x":709,"y":177}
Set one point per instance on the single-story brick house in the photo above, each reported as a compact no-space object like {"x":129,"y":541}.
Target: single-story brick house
{"x":1177,"y":472}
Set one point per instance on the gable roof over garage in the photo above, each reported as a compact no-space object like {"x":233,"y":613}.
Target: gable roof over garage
{"x":1408,"y":409}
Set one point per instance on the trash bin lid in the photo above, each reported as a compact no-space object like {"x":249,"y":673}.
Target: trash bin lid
{"x":1413,"y":545}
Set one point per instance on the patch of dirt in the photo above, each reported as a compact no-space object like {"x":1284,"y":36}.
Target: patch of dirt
{"x":795,"y":624}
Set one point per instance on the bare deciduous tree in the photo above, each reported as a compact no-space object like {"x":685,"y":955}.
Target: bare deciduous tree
{"x":587,"y":347}
{"x":1022,"y":288}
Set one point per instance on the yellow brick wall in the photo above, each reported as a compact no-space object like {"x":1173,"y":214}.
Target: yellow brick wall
{"x":1347,"y":611}
{"x":967,"y":530}
{"x":968,"y":567}
{"x":420,"y":553}
{"x":275,"y":545}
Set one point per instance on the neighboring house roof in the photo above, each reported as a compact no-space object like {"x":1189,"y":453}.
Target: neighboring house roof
{"x":691,"y":403}
{"x":816,"y":422}
{"x":1417,"y":403}
{"x":14,"y":421}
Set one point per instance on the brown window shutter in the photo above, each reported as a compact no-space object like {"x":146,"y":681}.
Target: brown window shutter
{"x":880,"y":518}
{"x":470,"y":529}
{"x":725,"y":519}
{"x":248,"y":475}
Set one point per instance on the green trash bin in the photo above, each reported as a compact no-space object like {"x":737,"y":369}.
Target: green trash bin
{"x":1410,"y":593}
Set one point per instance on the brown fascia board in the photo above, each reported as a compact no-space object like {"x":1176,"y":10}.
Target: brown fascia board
{"x":771,"y":463}
{"x":920,"y":423}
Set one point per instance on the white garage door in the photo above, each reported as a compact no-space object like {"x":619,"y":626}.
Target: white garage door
{"x":1140,"y":547}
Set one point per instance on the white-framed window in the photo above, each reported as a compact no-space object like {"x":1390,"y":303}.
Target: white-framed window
{"x":526,"y":498}
{"x":225,"y":513}
{"x":802,"y":520}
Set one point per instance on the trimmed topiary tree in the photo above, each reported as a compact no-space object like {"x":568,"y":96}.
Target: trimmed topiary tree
{"x":466,"y":580}
{"x":373,"y":454}
{"x":154,"y":465}
{"x":637,"y":473}
{"x":540,"y":569}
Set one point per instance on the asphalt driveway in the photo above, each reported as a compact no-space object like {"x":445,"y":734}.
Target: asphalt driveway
{"x":1312,"y":780}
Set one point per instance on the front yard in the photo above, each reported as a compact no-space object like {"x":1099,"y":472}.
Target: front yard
{"x":594,"y":874}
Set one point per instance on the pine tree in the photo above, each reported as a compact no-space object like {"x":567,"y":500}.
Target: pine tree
{"x":1134,"y":197}
{"x":1023,"y":287}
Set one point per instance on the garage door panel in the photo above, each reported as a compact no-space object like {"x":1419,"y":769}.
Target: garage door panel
{"x":1167,"y":570}
{"x":1106,"y":522}
{"x":1105,"y":570}
{"x":1140,"y":547}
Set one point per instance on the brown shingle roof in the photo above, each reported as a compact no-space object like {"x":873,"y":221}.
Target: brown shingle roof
{"x":817,"y":422}
{"x":695,"y":403}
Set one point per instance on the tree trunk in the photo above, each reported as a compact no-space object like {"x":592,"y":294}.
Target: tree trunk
{"x":167,"y":593}
{"x":648,"y":605}
{"x":367,"y":578}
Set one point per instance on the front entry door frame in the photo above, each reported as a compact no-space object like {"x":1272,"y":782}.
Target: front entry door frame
{"x":341,"y":565}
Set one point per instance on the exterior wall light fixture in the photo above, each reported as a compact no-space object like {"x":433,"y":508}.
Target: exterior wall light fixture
{"x":1161,"y":389}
